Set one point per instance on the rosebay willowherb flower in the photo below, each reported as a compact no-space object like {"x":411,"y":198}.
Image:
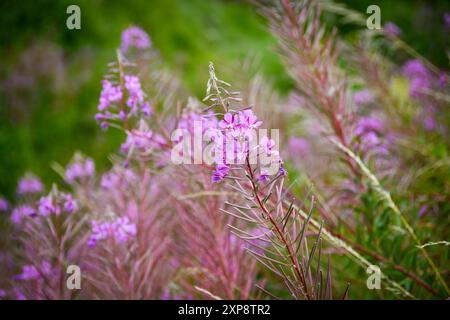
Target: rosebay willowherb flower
{"x":392,"y":29}
{"x":4,"y":205}
{"x":134,"y":37}
{"x":80,"y":169}
{"x":29,"y":184}
{"x":49,"y":236}
{"x":262,"y":205}
{"x":128,"y":242}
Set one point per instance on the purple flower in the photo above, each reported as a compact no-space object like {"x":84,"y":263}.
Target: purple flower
{"x":418,"y":86}
{"x":298,"y":147}
{"x":4,"y":205}
{"x":104,"y":125}
{"x":220,"y":172}
{"x":99,"y":232}
{"x":147,"y":110}
{"x":362,"y":97}
{"x":442,"y":79}
{"x":392,"y":29}
{"x":447,"y":20}
{"x":208,"y":122}
{"x":143,"y":140}
{"x":368,"y":130}
{"x":19,"y":213}
{"x":165,"y":295}
{"x":70,"y":205}
{"x":268,"y":147}
{"x":368,"y":124}
{"x":121,"y":229}
{"x":123,"y":115}
{"x":80,"y":169}
{"x":19,"y":294}
{"x":29,"y":185}
{"x":230,"y":121}
{"x":110,"y":180}
{"x":47,"y":206}
{"x":109,"y":94}
{"x":124,"y":230}
{"x":102,"y":117}
{"x":29,"y":272}
{"x":267,"y":144}
{"x":429,"y":123}
{"x":136,"y":95}
{"x":118,"y":178}
{"x":248,"y":120}
{"x":423,"y":211}
{"x":134,"y":37}
{"x":263,"y":176}
{"x":370,"y":140}
{"x":415,"y":69}
{"x":282,"y":171}
{"x":419,"y":76}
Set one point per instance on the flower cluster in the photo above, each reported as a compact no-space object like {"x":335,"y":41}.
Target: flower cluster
{"x":80,"y":169}
{"x":111,"y":104}
{"x":29,"y":184}
{"x":31,"y":272}
{"x":134,"y":37}
{"x":52,"y":204}
{"x":191,"y":123}
{"x":234,"y":141}
{"x":368,"y":131}
{"x":136,"y":95}
{"x":190,"y":118}
{"x":240,"y":122}
{"x":21,"y":212}
{"x":142,"y":140}
{"x":120,"y":229}
{"x":220,"y":172}
{"x":117,"y":178}
{"x":368,"y":124}
{"x":110,"y":94}
{"x":419,"y":75}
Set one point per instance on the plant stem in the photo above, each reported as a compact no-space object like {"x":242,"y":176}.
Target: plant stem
{"x":278,"y":231}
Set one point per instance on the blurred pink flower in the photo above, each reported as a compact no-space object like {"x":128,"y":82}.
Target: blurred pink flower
{"x":21,"y":212}
{"x":29,"y":184}
{"x":134,"y":37}
{"x":79,"y":169}
{"x":298,"y":147}
{"x":120,"y":229}
{"x":4,"y":205}
{"x":392,"y":29}
{"x":362,"y":97}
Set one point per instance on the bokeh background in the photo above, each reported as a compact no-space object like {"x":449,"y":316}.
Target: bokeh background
{"x":50,"y":76}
